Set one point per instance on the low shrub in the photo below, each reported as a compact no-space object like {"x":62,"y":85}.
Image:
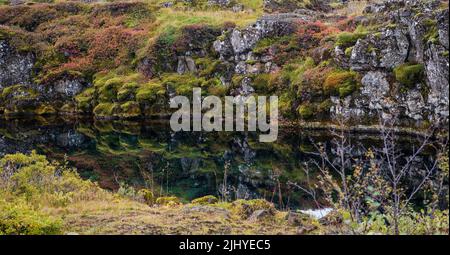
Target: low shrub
{"x":168,"y":201}
{"x":38,"y":182}
{"x":342,"y":83}
{"x":18,"y":218}
{"x":206,"y":200}
{"x":147,"y":196}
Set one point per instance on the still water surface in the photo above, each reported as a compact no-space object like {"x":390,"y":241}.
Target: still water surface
{"x":185,"y":164}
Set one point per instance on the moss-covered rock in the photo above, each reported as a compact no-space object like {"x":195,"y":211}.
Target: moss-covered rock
{"x":150,"y":92}
{"x":306,"y":111}
{"x":245,"y":208}
{"x":206,"y":200}
{"x":168,"y":201}
{"x":342,"y":83}
{"x":130,"y":109}
{"x":85,"y":99}
{"x":45,"y":109}
{"x":106,"y":110}
{"x":409,"y":74}
{"x":127,"y":91}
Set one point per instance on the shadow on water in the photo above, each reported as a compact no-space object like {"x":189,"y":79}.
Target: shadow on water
{"x":186,"y":164}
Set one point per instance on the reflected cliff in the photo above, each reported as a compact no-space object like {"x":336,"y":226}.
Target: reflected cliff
{"x":185,"y":164}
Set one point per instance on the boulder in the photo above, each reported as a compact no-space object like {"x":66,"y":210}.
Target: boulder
{"x":296,"y":219}
{"x":186,"y":65}
{"x":387,"y":49}
{"x":259,"y":215}
{"x":69,"y":87}
{"x":376,"y":88}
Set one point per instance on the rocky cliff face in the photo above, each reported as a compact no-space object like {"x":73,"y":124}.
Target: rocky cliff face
{"x":415,"y":36}
{"x":391,"y":60}
{"x":15,"y":67}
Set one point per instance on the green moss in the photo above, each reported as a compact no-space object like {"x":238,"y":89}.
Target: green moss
{"x":45,"y":109}
{"x":184,"y":84}
{"x":324,"y":107}
{"x":432,"y":34}
{"x":68,"y":108}
{"x":150,"y":92}
{"x":18,"y":92}
{"x":218,"y":89}
{"x":84,"y":100}
{"x":306,"y":111}
{"x":209,"y":67}
{"x":130,"y":110}
{"x":409,"y":74}
{"x":264,"y":44}
{"x":147,"y":195}
{"x":347,"y":39}
{"x":107,"y":92}
{"x":127,"y":91}
{"x":391,"y":26}
{"x":168,"y":201}
{"x":341,"y":83}
{"x":261,"y":82}
{"x":206,"y":200}
{"x":285,"y":104}
{"x":106,"y":109}
{"x":348,"y":51}
{"x":245,"y":208}
{"x":113,"y":87}
{"x":293,"y":72}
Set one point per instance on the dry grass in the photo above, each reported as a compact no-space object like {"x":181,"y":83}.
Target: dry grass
{"x":122,"y":216}
{"x":168,"y":17}
{"x":355,"y":7}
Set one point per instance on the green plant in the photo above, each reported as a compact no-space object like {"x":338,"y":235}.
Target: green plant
{"x":168,"y":201}
{"x":245,"y":208}
{"x":130,"y":109}
{"x":306,"y":111}
{"x":106,"y":109}
{"x":147,"y":195}
{"x":409,"y":74}
{"x":342,"y":83}
{"x":18,"y":218}
{"x":206,"y":200}
{"x":150,"y":92}
{"x":348,"y":39}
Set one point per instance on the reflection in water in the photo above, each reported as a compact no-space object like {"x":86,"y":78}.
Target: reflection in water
{"x":185,"y":164}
